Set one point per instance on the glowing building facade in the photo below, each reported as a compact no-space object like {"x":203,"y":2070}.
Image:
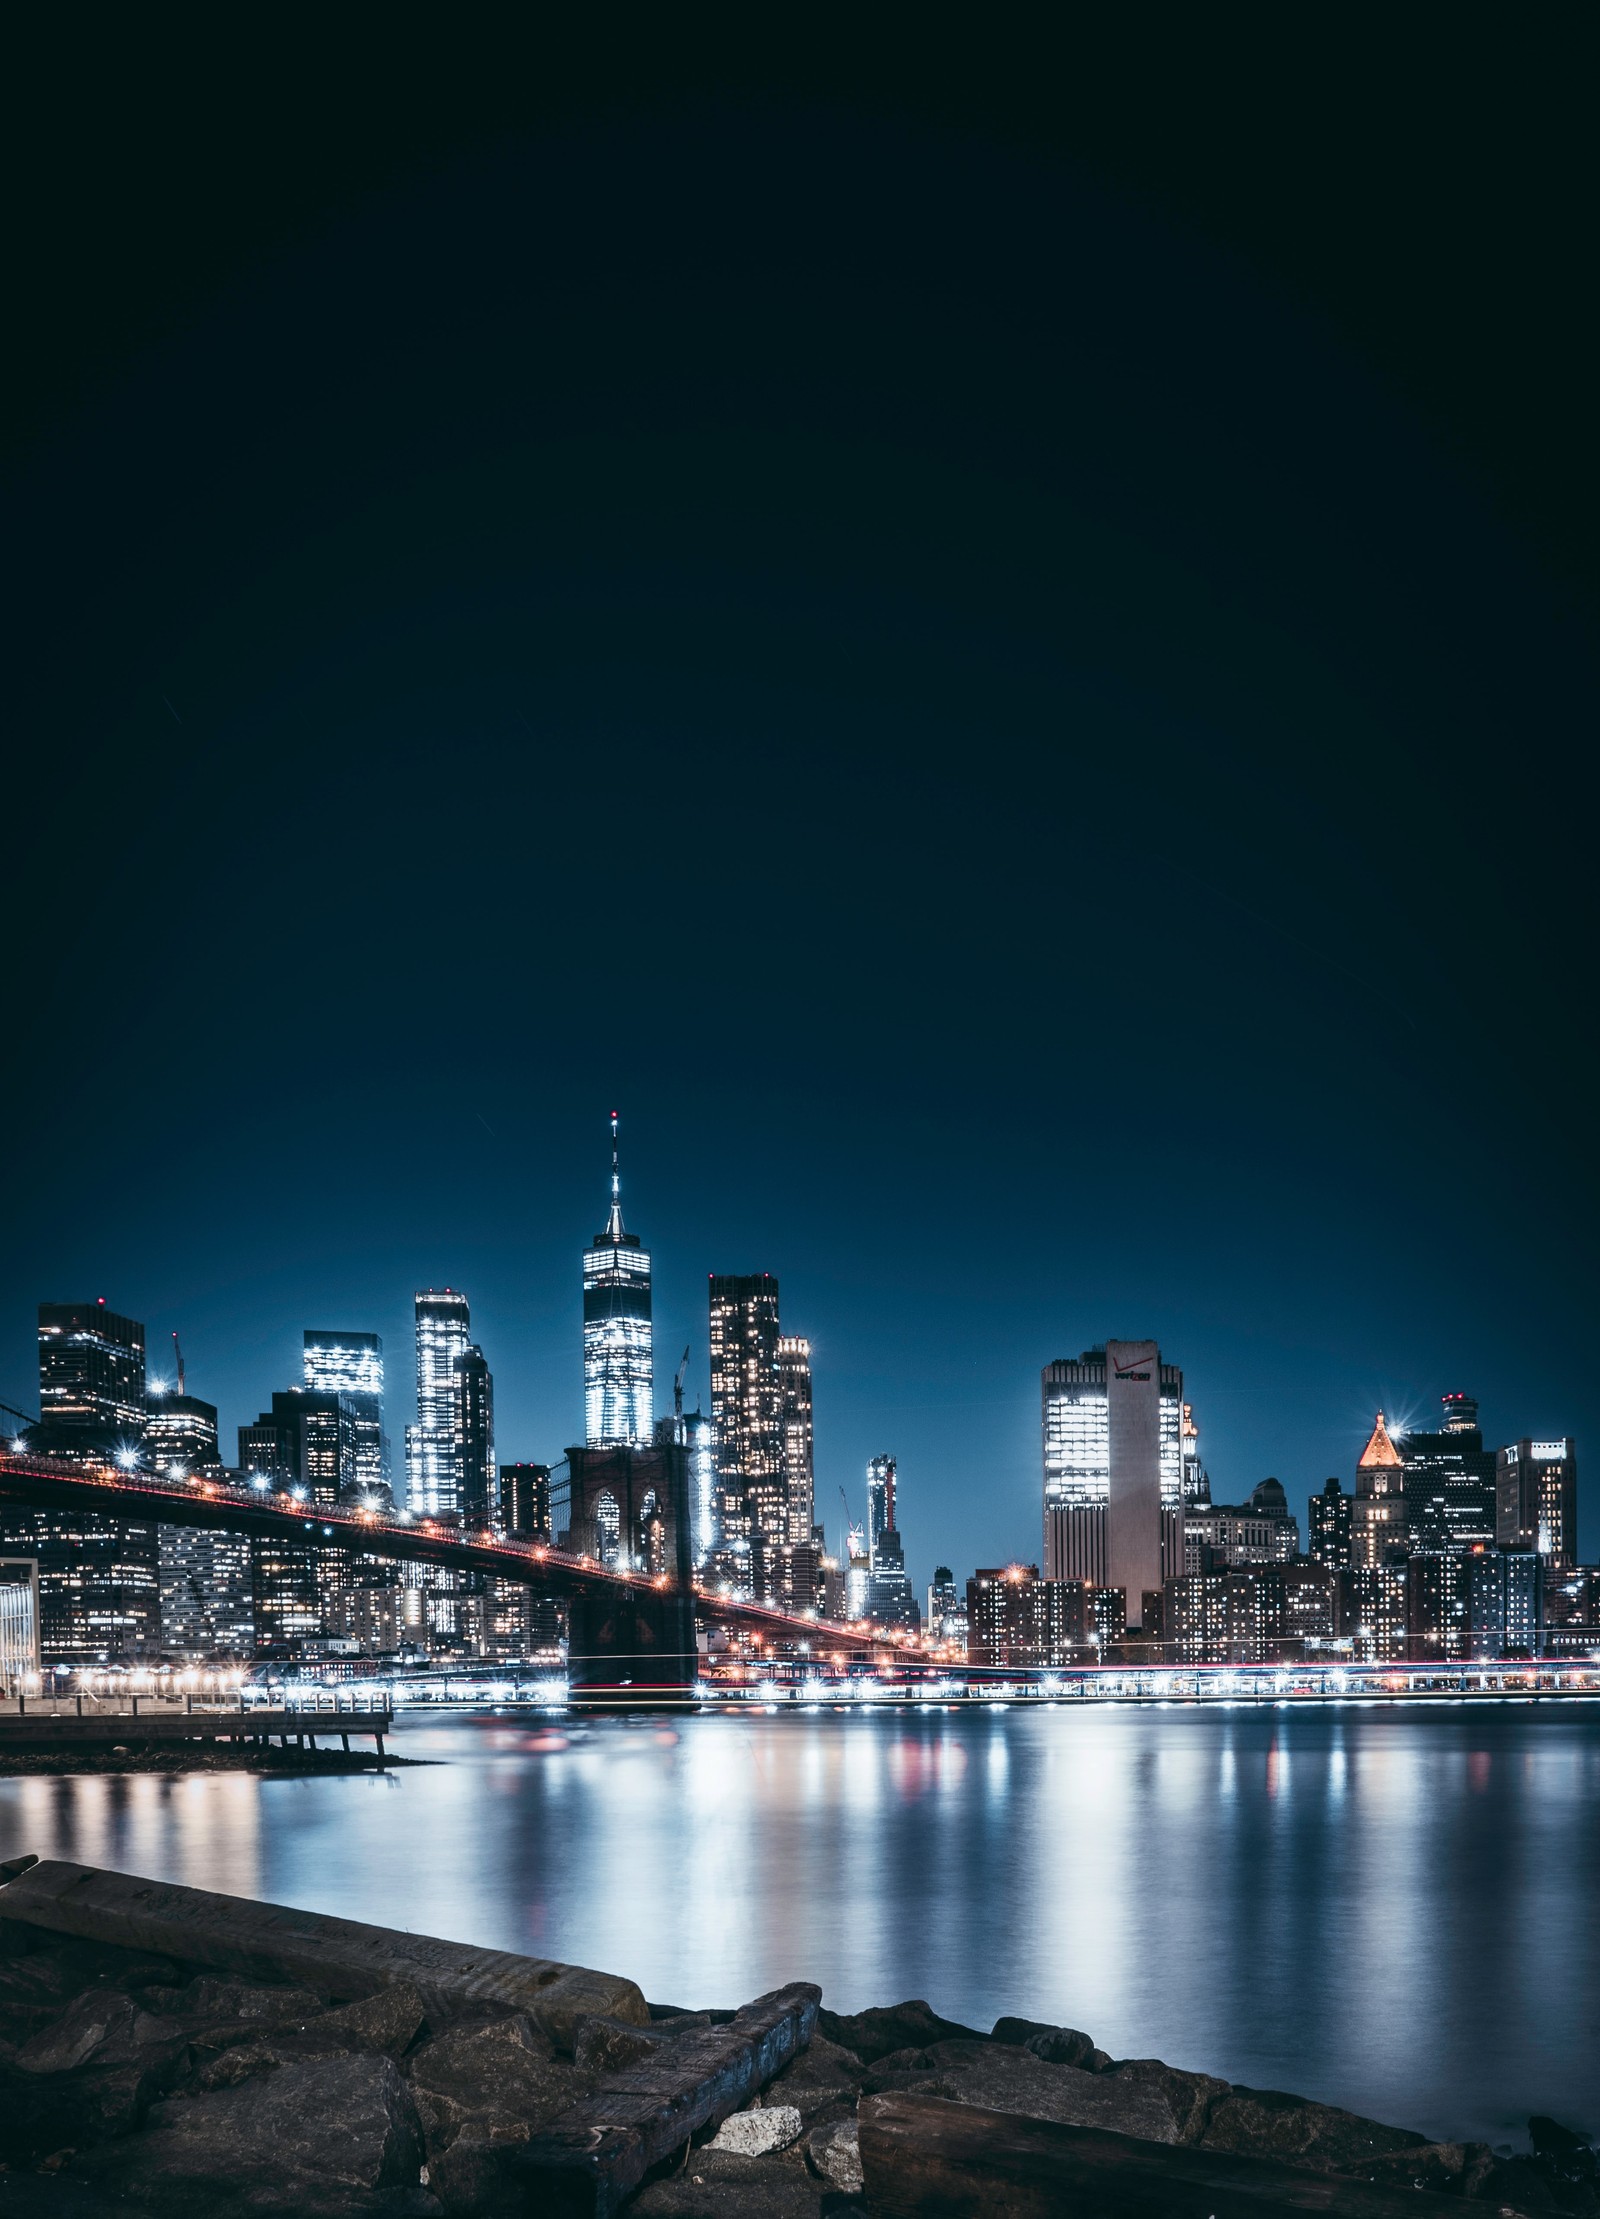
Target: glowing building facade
{"x":474,"y":1437}
{"x":1537,"y":1488}
{"x":180,"y":1435}
{"x":351,"y":1364}
{"x":1114,"y":1467}
{"x":618,"y":1356}
{"x":1378,"y":1513}
{"x":747,"y":1412}
{"x":794,"y":1393}
{"x":433,"y":1471}
{"x":91,"y":1368}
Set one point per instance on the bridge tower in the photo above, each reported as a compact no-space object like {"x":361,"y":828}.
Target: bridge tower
{"x":631,"y":1509}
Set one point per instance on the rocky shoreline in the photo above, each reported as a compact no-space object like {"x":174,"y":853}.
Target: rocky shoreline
{"x":171,"y":2052}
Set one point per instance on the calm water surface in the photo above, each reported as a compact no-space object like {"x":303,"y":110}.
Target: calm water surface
{"x":1397,"y":1909}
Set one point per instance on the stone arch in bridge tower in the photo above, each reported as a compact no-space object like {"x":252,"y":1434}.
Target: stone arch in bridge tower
{"x":631,"y":1646}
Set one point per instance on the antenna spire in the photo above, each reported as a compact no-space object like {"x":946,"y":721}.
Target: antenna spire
{"x":614,"y":1228}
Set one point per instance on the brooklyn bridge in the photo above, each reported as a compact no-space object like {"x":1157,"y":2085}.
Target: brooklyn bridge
{"x":634,"y":1606}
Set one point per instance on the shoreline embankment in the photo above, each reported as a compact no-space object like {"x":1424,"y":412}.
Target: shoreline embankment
{"x":179,"y":2052}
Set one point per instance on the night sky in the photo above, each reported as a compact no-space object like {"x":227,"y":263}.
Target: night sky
{"x":996,"y":647}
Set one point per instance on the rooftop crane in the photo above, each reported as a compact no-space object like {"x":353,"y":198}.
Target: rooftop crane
{"x":677,"y":1394}
{"x":178,"y":1354}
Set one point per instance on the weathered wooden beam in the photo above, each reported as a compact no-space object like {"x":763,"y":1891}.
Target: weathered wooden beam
{"x":588,"y":2162}
{"x":340,"y":1956}
{"x":938,"y":2160}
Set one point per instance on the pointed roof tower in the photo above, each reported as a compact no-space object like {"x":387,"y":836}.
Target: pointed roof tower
{"x":1380,"y":1453}
{"x":614,"y":1230}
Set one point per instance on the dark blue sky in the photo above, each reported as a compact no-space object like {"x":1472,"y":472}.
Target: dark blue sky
{"x":1018,"y":698}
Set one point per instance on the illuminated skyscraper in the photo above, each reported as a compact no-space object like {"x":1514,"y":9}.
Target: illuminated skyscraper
{"x":1378,"y":1514}
{"x":618,"y":1370}
{"x":91,"y":1368}
{"x":747,"y":1412}
{"x":474,"y":1437}
{"x":351,"y":1364}
{"x":433,"y":1474}
{"x":880,"y":1503}
{"x":794,"y":1384}
{"x":1114,"y":1470}
{"x":1538,"y":1499}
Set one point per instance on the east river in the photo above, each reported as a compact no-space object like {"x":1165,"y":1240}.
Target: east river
{"x":1392,"y":1907}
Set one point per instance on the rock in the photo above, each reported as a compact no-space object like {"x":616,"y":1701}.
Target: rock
{"x":1056,"y":2045}
{"x":1263,"y":2122}
{"x":878,"y":2033}
{"x":501,"y":2074}
{"x":820,"y":2078}
{"x":759,"y":2133}
{"x":1447,"y":2168}
{"x":231,"y":2002}
{"x":88,"y":2023}
{"x":441,"y":2118}
{"x":1189,"y":2096}
{"x":718,"y":2185}
{"x":834,"y":2154}
{"x":1000,"y":2077}
{"x":607,"y":2045}
{"x":1560,"y":2152}
{"x":304,"y":2138}
{"x":41,"y":2112}
{"x":470,"y":2179}
{"x":389,"y":2021}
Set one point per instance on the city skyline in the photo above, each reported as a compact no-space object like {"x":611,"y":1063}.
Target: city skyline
{"x":354,"y":1356}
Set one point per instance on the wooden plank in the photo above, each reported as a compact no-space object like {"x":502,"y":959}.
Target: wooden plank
{"x":588,"y":2162}
{"x":340,"y":1956}
{"x":938,"y":2160}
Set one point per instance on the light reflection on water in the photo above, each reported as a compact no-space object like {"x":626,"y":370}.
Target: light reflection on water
{"x":1396,"y":1909}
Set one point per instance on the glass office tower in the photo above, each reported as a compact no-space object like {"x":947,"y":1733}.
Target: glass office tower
{"x":433,"y":1475}
{"x":351,"y":1364}
{"x":618,"y":1367}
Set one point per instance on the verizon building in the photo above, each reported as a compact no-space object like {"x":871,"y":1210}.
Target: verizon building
{"x":1113,"y":1470}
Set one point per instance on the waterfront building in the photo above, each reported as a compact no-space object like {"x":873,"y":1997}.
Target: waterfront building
{"x":351,"y":1364}
{"x":1329,"y":1539}
{"x":1114,"y":1469}
{"x":944,"y":1602}
{"x":1449,"y":1485}
{"x":1223,"y":1536}
{"x":20,"y":1660}
{"x":433,"y":1476}
{"x":1378,"y":1513}
{"x":206,"y":1589}
{"x":99,"y":1578}
{"x":1536,"y":1485}
{"x":1259,"y":1613}
{"x":1015,"y":1619}
{"x":1371,"y":1619}
{"x":747,"y":1412}
{"x":475,"y":1470}
{"x":618,"y":1357}
{"x":99,"y":1583}
{"x":91,"y":1370}
{"x":1571,"y":1600}
{"x":794,"y":1418}
{"x":1488,"y":1604}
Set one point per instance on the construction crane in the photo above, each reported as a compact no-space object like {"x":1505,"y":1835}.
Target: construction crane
{"x":178,"y":1357}
{"x":677,"y":1396}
